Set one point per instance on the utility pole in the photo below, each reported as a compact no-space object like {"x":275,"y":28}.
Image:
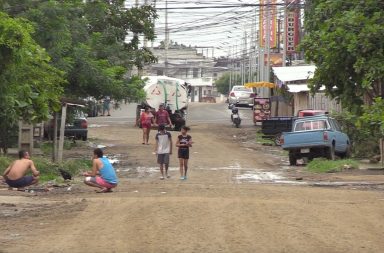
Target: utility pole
{"x":154,"y":5}
{"x":166,"y":42}
{"x":145,"y":42}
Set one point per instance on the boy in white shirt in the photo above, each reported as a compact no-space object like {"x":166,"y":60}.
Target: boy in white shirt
{"x":163,"y":149}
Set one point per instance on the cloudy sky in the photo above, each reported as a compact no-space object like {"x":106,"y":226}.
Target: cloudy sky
{"x":207,"y":23}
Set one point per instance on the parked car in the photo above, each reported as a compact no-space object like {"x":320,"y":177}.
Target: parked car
{"x":317,"y":136}
{"x":76,"y":128}
{"x":241,"y":95}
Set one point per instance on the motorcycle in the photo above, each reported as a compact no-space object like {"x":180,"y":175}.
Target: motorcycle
{"x":235,"y":117}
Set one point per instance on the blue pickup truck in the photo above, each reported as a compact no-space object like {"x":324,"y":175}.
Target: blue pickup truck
{"x":317,"y":136}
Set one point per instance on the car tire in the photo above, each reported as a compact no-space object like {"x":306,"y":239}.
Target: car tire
{"x":292,"y":159}
{"x":84,"y":137}
{"x":331,"y":155}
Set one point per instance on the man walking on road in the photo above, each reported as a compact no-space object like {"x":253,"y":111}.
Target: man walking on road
{"x":15,"y":174}
{"x":163,"y":149}
{"x":162,"y":116}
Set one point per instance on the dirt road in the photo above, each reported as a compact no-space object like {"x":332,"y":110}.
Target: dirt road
{"x":239,"y":197}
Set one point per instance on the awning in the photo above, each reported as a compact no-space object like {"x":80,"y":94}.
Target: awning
{"x":260,"y":85}
{"x":294,"y":73}
{"x":295,"y":88}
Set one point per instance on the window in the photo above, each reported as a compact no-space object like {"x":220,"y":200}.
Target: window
{"x":336,"y":125}
{"x":160,"y":72}
{"x":205,"y":92}
{"x":241,"y":88}
{"x":311,"y":125}
{"x":195,"y":72}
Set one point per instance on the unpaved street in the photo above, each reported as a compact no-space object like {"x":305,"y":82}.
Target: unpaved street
{"x":240,"y":197}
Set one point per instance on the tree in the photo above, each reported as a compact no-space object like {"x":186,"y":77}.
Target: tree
{"x":88,"y":41}
{"x":29,"y":85}
{"x":345,"y":41}
{"x":222,"y":84}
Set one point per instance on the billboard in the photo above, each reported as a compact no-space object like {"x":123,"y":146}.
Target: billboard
{"x":292,"y":25}
{"x":268,"y":11}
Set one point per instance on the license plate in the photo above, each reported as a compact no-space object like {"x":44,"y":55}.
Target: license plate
{"x":305,"y":150}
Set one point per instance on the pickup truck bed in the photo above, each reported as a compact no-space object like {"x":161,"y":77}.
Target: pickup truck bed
{"x":275,"y":126}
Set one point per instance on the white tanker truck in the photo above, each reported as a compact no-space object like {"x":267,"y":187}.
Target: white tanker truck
{"x":171,"y":92}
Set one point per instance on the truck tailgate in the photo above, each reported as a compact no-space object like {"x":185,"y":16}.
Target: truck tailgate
{"x":305,"y":139}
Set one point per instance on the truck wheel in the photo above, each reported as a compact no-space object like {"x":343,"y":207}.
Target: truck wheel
{"x":292,"y":159}
{"x":331,"y":153}
{"x":84,"y":137}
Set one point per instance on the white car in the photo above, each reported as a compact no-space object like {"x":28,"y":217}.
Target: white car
{"x":241,"y":95}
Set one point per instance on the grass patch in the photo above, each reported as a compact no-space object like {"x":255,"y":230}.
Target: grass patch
{"x":49,"y":170}
{"x":322,"y":165}
{"x":47,"y":146}
{"x":261,"y":140}
{"x":4,"y":163}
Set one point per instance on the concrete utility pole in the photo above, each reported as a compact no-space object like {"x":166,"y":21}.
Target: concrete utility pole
{"x":166,"y":42}
{"x":145,"y":42}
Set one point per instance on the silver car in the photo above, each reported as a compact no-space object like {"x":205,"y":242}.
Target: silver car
{"x":240,"y":95}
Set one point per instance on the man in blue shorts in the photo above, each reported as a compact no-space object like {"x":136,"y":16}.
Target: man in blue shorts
{"x":15,"y":174}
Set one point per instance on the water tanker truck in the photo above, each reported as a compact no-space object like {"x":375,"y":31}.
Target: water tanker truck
{"x":171,"y":92}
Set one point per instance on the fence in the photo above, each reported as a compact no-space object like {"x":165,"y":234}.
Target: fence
{"x":321,"y":102}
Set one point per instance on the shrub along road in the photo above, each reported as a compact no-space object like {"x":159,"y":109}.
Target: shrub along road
{"x":239,"y":197}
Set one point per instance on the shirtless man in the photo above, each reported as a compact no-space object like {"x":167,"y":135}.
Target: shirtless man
{"x":15,"y":174}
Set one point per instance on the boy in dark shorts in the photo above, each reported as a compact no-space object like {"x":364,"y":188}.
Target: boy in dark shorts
{"x":163,"y":149}
{"x":184,"y":142}
{"x":15,"y":175}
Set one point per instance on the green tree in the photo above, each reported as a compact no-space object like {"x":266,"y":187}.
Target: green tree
{"x":29,"y":85}
{"x":222,"y":84}
{"x":88,"y":41}
{"x":345,"y":41}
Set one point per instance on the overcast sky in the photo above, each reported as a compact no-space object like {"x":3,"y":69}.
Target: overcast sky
{"x":218,"y":27}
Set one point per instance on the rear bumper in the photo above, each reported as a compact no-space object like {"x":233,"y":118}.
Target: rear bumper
{"x":308,"y":146}
{"x":240,"y":101}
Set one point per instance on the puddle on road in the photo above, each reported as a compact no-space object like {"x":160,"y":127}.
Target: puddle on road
{"x":96,"y":126}
{"x":141,"y":172}
{"x":259,"y":176}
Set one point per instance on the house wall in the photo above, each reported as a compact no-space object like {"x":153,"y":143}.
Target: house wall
{"x":281,"y":108}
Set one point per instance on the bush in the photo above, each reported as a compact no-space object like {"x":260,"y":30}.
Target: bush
{"x":322,"y":165}
{"x":4,"y":163}
{"x":364,"y":138}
